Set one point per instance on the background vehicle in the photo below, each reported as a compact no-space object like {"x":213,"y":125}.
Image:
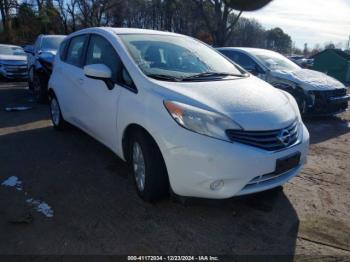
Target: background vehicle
{"x":315,"y":92}
{"x":40,"y":58}
{"x":13,"y":62}
{"x":179,"y":112}
{"x":302,"y":61}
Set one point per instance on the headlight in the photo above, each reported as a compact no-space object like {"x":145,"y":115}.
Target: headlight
{"x":200,"y":121}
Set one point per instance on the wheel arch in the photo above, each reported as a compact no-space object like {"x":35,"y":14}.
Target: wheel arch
{"x":127,"y":135}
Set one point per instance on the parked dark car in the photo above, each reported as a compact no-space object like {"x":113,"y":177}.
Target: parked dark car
{"x":316,"y":93}
{"x":40,"y":60}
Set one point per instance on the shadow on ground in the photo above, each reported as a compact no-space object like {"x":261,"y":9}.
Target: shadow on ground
{"x":325,"y":128}
{"x":96,"y":208}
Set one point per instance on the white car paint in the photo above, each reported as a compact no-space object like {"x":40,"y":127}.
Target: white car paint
{"x":193,"y":161}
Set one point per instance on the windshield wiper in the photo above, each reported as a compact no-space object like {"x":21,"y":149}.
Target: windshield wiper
{"x":212,"y":74}
{"x":165,"y":77}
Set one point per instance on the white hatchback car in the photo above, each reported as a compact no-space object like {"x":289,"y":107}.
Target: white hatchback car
{"x":184,"y":115}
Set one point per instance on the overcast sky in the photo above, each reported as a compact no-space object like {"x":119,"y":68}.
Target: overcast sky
{"x":308,"y":21}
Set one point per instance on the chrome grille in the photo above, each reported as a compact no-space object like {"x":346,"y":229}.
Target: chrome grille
{"x":268,"y":140}
{"x":331,"y":93}
{"x":15,"y":68}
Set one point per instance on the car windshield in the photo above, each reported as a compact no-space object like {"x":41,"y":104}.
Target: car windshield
{"x":275,"y":61}
{"x":11,"y":50}
{"x":51,"y":42}
{"x":170,"y":57}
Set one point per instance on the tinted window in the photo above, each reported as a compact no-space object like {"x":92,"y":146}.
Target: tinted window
{"x":75,"y":50}
{"x":242,"y":59}
{"x":100,"y":51}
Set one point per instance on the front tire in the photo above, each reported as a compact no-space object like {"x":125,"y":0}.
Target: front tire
{"x":56,"y":115}
{"x":148,"y":167}
{"x":30,"y":79}
{"x":39,"y":88}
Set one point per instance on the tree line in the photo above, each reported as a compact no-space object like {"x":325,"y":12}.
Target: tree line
{"x":212,"y":21}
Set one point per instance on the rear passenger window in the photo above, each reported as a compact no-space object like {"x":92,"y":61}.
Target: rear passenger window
{"x":75,"y":50}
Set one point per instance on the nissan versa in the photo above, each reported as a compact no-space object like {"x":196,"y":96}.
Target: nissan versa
{"x":315,"y":92}
{"x":187,"y":119}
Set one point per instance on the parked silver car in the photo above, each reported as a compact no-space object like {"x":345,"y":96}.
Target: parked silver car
{"x":13,"y":62}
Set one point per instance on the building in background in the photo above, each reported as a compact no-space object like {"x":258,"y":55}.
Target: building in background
{"x":333,"y":62}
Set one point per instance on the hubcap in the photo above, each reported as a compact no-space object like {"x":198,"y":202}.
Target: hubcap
{"x":139,"y":166}
{"x":55,"y":112}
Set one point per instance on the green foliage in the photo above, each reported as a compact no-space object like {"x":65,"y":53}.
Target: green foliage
{"x":278,"y":40}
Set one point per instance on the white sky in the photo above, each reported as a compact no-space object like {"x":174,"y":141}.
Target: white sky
{"x":308,"y":21}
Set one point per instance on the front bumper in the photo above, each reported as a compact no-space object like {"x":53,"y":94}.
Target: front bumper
{"x":14,"y":71}
{"x":199,"y":161}
{"x":329,"y":102}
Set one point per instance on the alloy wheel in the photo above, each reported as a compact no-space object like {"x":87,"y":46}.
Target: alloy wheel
{"x":55,"y":111}
{"x":139,"y":167}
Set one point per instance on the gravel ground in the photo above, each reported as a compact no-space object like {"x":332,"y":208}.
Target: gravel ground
{"x":95,"y":209}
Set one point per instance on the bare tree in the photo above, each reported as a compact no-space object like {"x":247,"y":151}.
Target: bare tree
{"x":216,"y":14}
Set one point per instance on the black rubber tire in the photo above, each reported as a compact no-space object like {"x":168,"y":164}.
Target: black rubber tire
{"x":30,"y":82}
{"x":156,"y":185}
{"x":40,"y":89}
{"x":62,"y":124}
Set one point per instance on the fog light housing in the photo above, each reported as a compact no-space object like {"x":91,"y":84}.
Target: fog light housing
{"x":217,"y":184}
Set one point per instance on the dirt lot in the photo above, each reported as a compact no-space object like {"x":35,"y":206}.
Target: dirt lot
{"x":96,"y":210}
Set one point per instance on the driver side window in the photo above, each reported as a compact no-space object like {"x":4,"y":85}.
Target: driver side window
{"x":242,"y":59}
{"x":100,"y":51}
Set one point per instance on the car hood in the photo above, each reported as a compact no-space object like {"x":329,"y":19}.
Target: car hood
{"x":309,"y":80}
{"x":13,"y":57}
{"x":250,"y":102}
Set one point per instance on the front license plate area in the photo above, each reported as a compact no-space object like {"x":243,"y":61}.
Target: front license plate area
{"x":287,"y":163}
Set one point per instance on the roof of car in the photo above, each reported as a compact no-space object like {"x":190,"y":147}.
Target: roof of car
{"x":53,"y":35}
{"x":246,"y":49}
{"x":122,"y":30}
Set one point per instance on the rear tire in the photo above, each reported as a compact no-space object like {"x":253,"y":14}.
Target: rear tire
{"x":56,"y":115}
{"x":148,"y":167}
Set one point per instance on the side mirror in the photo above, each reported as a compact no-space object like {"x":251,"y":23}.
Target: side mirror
{"x":29,"y":49}
{"x":100,"y":72}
